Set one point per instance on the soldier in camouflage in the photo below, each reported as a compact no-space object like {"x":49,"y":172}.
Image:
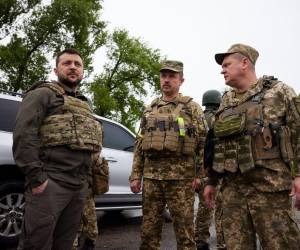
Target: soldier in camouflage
{"x":54,"y":139}
{"x":172,"y":134}
{"x":88,"y":229}
{"x":211,"y":100}
{"x":256,"y":153}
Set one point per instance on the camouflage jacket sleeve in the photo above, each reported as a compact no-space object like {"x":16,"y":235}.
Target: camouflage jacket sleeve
{"x":213,"y":176}
{"x":27,"y":144}
{"x":292,"y":103}
{"x":138,"y":155}
{"x":201,"y":130}
{"x":138,"y":160}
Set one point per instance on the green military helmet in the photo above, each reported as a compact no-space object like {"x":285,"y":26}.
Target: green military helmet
{"x":211,"y":97}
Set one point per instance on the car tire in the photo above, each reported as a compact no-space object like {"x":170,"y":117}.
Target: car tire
{"x":12,"y":203}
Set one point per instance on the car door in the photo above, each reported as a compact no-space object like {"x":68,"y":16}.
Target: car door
{"x":8,"y":111}
{"x":118,"y":144}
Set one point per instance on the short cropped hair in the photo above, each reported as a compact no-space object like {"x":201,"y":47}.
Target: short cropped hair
{"x":240,"y":57}
{"x":67,"y":51}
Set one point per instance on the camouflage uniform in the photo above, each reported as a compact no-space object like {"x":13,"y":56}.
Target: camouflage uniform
{"x":255,"y":133}
{"x":88,"y":223}
{"x":204,"y":214}
{"x":218,"y":220}
{"x":167,"y":179}
{"x":204,"y":219}
{"x":256,"y":199}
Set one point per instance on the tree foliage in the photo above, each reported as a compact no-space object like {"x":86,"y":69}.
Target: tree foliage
{"x":46,"y":30}
{"x":10,"y":10}
{"x":33,"y":31}
{"x":129,"y":75}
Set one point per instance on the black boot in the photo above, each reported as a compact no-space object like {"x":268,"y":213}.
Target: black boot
{"x":202,"y":246}
{"x":88,"y":245}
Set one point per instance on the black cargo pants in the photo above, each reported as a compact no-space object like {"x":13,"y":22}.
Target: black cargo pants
{"x":52,"y":218}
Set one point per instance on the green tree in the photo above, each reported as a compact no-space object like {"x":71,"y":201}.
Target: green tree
{"x":129,"y":75}
{"x":10,"y":10}
{"x":33,"y":31}
{"x":45,"y":30}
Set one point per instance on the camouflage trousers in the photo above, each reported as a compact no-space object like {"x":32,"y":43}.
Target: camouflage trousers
{"x":204,"y":219}
{"x":88,"y":223}
{"x":179,"y":196}
{"x":246,"y":211}
{"x":218,"y":221}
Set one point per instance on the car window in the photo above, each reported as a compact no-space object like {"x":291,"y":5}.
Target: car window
{"x":116,"y":137}
{"x":8,"y":112}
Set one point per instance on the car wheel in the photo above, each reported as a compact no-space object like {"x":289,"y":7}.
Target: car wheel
{"x":12,"y":203}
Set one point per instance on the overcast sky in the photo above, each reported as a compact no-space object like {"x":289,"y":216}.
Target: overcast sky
{"x":194,"y":30}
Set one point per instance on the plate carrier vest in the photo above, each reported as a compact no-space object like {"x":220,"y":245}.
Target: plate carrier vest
{"x":243,"y":137}
{"x":169,"y":133}
{"x":75,"y":127}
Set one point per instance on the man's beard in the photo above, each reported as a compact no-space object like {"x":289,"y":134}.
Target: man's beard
{"x":67,"y":82}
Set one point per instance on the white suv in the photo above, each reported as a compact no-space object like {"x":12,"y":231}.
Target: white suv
{"x":117,"y":149}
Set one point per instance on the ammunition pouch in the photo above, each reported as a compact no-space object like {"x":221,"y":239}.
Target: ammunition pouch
{"x":77,"y":131}
{"x":275,"y":142}
{"x":286,"y":150}
{"x":157,"y":142}
{"x":265,"y":145}
{"x":219,"y":155}
{"x":189,"y":142}
{"x":246,"y":160}
{"x":100,"y":174}
{"x":231,"y":157}
{"x":233,"y":154}
{"x":162,"y":135}
{"x":231,"y":125}
{"x":169,"y":134}
{"x":172,"y":138}
{"x":147,"y":137}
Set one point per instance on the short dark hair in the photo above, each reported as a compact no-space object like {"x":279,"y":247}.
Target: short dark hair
{"x":67,"y":51}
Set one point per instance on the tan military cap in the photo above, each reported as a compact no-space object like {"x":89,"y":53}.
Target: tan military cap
{"x":243,"y":49}
{"x":172,"y":65}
